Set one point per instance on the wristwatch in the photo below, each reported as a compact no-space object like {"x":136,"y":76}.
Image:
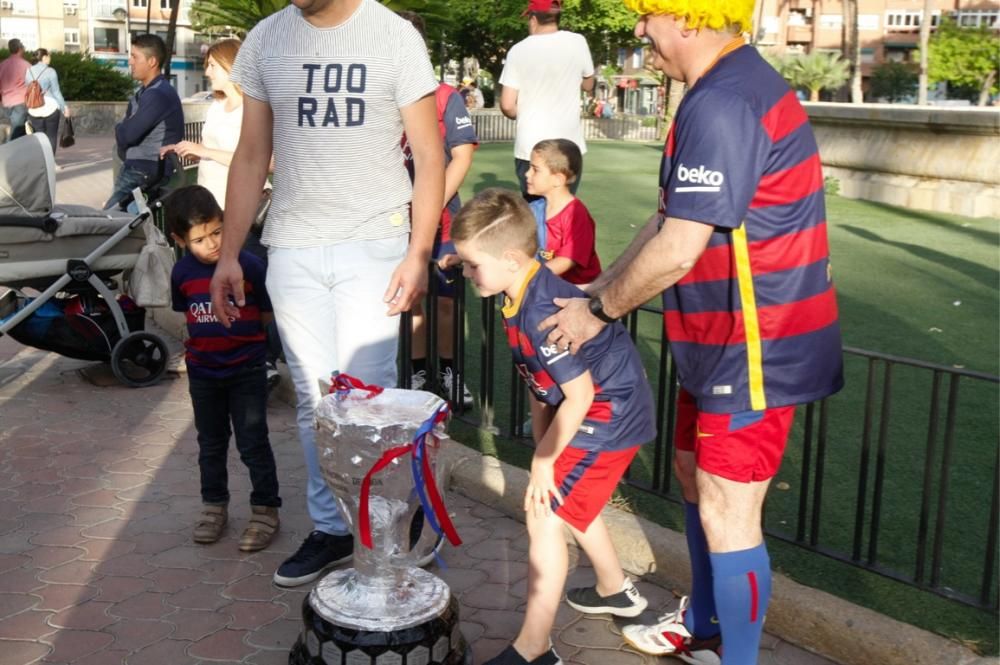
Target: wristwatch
{"x":597,"y":309}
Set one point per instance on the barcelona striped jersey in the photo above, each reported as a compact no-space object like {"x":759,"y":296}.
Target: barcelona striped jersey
{"x":213,"y":351}
{"x":622,"y":414}
{"x":754,"y":324}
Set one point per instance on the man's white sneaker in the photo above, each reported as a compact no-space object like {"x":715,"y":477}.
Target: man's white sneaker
{"x":448,"y":380}
{"x":418,"y":379}
{"x":670,"y":637}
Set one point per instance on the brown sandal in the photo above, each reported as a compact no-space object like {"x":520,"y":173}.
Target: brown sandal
{"x":211,"y":523}
{"x":264,"y":523}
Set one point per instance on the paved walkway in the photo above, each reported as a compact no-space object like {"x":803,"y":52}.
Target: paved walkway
{"x":99,"y":488}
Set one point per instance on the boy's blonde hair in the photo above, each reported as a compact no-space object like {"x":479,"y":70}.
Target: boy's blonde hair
{"x":561,"y":156}
{"x":497,"y":220}
{"x":718,"y":15}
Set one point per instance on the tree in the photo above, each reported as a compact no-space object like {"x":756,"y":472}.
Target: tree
{"x":82,"y":78}
{"x":815,"y":71}
{"x":175,"y":6}
{"x":236,"y":16}
{"x":852,"y":49}
{"x":607,"y":25}
{"x":893,"y":81}
{"x":964,"y":58}
{"x":925,"y":36}
{"x":487,"y":30}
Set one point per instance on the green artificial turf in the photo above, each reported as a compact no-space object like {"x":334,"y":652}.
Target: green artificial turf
{"x":910,"y":283}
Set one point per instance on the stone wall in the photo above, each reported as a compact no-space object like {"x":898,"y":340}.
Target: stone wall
{"x":939,"y":159}
{"x":99,"y":118}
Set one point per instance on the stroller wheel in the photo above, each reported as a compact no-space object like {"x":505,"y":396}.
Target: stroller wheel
{"x":139,"y":359}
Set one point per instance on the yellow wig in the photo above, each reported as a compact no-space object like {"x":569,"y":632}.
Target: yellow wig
{"x":719,"y":15}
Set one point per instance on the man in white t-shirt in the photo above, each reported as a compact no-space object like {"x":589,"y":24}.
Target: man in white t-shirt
{"x":344,"y":257}
{"x":541,"y":80}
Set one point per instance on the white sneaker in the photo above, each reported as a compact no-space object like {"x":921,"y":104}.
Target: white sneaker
{"x":418,"y":379}
{"x":670,"y":637}
{"x":447,"y":380}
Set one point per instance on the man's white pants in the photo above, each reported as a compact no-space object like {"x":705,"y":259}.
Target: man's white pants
{"x":330,"y":314}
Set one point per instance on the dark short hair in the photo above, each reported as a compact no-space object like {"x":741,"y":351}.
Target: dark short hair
{"x":546,"y":18}
{"x":152,"y":46}
{"x":15,"y":45}
{"x":561,"y":156}
{"x":189,"y":206}
{"x":416,"y":20}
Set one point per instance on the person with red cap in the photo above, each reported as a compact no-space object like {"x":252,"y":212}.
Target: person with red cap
{"x":541,"y":80}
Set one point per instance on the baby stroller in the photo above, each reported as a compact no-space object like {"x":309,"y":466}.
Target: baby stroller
{"x":71,"y":254}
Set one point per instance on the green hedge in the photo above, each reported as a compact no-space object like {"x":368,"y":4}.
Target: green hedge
{"x":84,"y":79}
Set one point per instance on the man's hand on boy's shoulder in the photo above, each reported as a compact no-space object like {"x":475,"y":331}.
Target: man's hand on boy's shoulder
{"x":572,"y":326}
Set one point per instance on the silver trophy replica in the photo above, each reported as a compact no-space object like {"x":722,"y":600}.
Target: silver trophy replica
{"x":377,"y":450}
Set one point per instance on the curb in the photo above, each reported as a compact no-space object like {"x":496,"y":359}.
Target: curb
{"x":815,"y":620}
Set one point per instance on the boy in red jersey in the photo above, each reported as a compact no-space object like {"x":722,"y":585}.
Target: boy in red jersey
{"x":569,"y":249}
{"x":739,"y":251}
{"x":226,"y":367}
{"x":590,"y":414}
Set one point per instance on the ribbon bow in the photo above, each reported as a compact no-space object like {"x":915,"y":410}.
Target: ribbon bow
{"x":342,"y":385}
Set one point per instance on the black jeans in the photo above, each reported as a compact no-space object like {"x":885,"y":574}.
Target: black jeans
{"x":521,"y":169}
{"x":49,"y":125}
{"x":239,"y":400}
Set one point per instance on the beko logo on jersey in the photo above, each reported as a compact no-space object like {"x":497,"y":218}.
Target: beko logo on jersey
{"x":463,"y":121}
{"x":701,"y":179}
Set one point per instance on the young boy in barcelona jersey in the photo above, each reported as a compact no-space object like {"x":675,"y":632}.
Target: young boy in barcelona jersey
{"x":590,"y":414}
{"x":226,"y":371}
{"x":569,"y":250}
{"x":739,"y":251}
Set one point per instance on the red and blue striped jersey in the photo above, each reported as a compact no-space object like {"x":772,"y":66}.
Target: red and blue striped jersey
{"x":622,"y":413}
{"x":213,"y":351}
{"x":754,"y":324}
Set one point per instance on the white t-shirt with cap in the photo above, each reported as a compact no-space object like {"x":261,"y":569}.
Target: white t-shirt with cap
{"x":336,"y":93}
{"x":547,"y":70}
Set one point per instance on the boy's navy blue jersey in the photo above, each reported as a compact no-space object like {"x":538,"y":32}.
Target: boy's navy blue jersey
{"x":213,"y":351}
{"x":622,"y":414}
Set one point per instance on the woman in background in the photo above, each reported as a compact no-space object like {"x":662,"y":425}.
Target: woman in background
{"x":46,"y":117}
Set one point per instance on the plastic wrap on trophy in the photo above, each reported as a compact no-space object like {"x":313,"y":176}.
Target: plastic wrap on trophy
{"x":378,"y":453}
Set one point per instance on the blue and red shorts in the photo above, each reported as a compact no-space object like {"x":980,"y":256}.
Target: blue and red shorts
{"x":447,"y":280}
{"x":743,"y":447}
{"x":586,"y":480}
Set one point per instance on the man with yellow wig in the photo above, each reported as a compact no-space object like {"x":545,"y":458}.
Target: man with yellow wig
{"x":739,"y":250}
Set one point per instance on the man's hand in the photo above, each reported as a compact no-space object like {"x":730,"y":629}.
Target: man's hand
{"x":225,"y":289}
{"x":541,"y":489}
{"x":407,"y":285}
{"x":573,"y":327}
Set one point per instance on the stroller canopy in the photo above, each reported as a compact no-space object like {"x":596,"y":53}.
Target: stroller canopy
{"x":27,"y":176}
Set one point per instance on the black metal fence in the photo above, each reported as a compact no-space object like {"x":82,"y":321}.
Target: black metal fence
{"x":897,"y":474}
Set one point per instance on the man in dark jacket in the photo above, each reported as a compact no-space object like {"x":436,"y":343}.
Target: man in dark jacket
{"x":154,"y":119}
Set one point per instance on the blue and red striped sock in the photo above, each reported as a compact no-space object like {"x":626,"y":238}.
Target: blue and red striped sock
{"x":700,"y":619}
{"x":742,"y":583}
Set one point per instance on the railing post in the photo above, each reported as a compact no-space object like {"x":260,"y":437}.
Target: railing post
{"x":925,"y":502}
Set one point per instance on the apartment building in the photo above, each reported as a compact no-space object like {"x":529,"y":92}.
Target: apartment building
{"x":889,"y":31}
{"x":103,"y":28}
